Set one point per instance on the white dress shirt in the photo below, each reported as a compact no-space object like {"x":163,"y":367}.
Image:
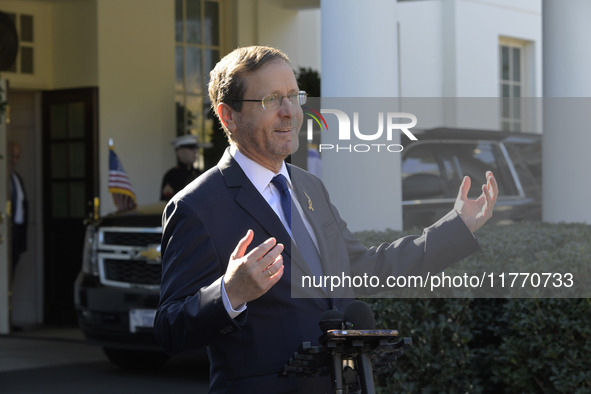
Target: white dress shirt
{"x":18,"y":209}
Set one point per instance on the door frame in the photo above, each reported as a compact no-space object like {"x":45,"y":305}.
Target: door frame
{"x":53,"y":312}
{"x":4,"y":227}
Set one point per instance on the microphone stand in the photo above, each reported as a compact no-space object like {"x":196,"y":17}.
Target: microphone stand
{"x":367,"y":348}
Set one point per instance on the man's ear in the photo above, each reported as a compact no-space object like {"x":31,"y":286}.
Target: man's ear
{"x":227,"y":116}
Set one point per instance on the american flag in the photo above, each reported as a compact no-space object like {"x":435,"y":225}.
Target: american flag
{"x":119,"y":184}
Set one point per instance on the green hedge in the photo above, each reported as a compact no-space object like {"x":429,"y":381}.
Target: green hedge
{"x":491,"y":345}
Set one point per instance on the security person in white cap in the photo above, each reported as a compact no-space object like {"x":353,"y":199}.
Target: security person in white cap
{"x":186,"y":148}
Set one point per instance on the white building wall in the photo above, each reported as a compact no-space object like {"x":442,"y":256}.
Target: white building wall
{"x":479,"y":26}
{"x":294,"y":31}
{"x":450,"y":48}
{"x":421,"y":48}
{"x":136,"y":75}
{"x":74,"y":44}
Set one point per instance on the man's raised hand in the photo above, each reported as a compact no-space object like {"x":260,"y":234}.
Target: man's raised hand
{"x":250,"y":276}
{"x":475,"y":213}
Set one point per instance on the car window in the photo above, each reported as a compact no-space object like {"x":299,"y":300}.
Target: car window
{"x":527,"y":159}
{"x":474,"y":159}
{"x":420,"y":159}
{"x":421,"y":174}
{"x":436,"y":169}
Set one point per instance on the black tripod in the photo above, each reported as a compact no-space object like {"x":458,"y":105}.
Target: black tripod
{"x":349,"y":356}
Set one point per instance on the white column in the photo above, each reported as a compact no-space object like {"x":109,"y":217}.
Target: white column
{"x":360,"y":60}
{"x":567,"y":114}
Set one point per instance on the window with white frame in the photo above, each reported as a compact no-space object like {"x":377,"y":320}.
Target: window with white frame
{"x":197,"y":50}
{"x":25,"y":59}
{"x":512,"y":55}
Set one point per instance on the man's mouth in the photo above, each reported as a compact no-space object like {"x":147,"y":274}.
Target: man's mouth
{"x":288,"y":130}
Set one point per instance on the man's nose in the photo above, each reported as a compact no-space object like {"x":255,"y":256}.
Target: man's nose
{"x":286,"y":107}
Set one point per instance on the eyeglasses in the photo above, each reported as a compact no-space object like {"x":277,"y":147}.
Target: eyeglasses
{"x":274,"y":101}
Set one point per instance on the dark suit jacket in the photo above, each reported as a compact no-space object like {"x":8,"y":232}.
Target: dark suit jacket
{"x":18,"y":231}
{"x":202,"y":225}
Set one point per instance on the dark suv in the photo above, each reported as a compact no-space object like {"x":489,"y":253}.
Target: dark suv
{"x":117,"y":289}
{"x":433,"y":168}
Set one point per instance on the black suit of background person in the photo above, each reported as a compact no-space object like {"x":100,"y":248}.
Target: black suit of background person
{"x":176,"y":178}
{"x":228,"y":264}
{"x":19,"y":207}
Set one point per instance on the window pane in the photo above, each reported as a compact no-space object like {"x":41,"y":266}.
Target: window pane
{"x":210,"y":58}
{"x":195,"y":113}
{"x":59,"y":160}
{"x":13,"y":67}
{"x":76,"y":159}
{"x":516,"y":64}
{"x":504,"y":63}
{"x":179,"y":61}
{"x":58,"y":121}
{"x":475,"y":160}
{"x":516,"y":91}
{"x":211,"y":23}
{"x":76,"y":120}
{"x":193,"y":71}
{"x":419,"y":160}
{"x":193,"y":22}
{"x":421,"y":177}
{"x":59,"y":200}
{"x":516,"y":102}
{"x":26,"y":60}
{"x":506,"y":104}
{"x":26,"y":28}
{"x":77,"y":200}
{"x":505,"y":90}
{"x":208,"y":129}
{"x":180,"y":114}
{"x":178,"y":20}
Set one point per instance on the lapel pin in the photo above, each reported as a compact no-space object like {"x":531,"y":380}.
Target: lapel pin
{"x":310,"y":207}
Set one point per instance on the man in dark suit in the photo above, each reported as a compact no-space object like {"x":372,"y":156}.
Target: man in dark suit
{"x":19,"y":214}
{"x":230,"y":269}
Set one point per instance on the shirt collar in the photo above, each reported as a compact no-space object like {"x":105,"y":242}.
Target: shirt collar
{"x":256,"y":173}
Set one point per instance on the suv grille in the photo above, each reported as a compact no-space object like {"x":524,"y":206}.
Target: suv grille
{"x":131,"y":238}
{"x":130,"y":257}
{"x":133,"y":271}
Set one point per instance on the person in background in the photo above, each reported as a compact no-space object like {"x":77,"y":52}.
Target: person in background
{"x":18,"y":198}
{"x":186,"y":148}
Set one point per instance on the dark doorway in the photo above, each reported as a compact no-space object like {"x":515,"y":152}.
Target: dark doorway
{"x":70,"y":181}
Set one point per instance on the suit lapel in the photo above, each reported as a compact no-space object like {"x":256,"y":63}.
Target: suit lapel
{"x":307,"y":194}
{"x":248,"y":197}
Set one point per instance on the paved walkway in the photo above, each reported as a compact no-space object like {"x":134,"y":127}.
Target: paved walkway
{"x":59,"y":361}
{"x":46,"y":347}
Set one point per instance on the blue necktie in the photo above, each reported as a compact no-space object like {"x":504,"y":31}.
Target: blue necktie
{"x":299,"y":232}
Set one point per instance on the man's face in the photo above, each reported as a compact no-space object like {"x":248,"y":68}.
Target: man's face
{"x":187,"y":155}
{"x":15,"y":154}
{"x":264,"y":135}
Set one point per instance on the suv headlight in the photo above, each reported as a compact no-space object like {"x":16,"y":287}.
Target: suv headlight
{"x":89,"y":255}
